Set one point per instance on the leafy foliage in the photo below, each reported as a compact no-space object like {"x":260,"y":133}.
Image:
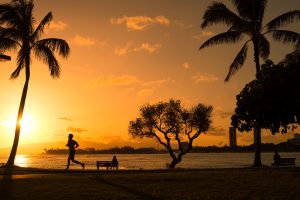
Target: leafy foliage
{"x":248,"y":22}
{"x":170,"y":125}
{"x":18,"y":31}
{"x":272,"y":101}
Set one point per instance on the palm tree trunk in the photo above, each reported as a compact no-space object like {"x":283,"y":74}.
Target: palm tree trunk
{"x":13,"y":152}
{"x":257,"y":131}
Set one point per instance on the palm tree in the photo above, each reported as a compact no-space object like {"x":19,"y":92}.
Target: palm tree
{"x":249,"y":22}
{"x":18,"y":32}
{"x":4,"y":57}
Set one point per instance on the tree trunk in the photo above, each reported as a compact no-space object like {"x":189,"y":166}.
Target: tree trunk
{"x":257,"y":144}
{"x":257,"y":131}
{"x":256,"y":55}
{"x":174,"y":162}
{"x":13,"y":152}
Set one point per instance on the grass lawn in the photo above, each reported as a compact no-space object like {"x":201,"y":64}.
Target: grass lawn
{"x":264,"y":183}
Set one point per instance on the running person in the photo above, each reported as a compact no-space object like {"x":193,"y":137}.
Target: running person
{"x":72,"y":144}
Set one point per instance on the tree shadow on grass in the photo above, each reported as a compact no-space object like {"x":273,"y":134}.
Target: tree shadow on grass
{"x":6,"y":184}
{"x":139,"y":194}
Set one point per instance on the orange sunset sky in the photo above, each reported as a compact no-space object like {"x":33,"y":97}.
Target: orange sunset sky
{"x":125,"y":53}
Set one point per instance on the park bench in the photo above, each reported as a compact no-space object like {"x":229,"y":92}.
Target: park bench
{"x":285,"y":162}
{"x":107,"y":164}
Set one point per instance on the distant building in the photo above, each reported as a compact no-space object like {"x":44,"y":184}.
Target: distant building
{"x":295,"y":140}
{"x":232,"y":137}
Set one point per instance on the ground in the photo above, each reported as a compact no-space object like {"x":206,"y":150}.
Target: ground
{"x":248,"y":183}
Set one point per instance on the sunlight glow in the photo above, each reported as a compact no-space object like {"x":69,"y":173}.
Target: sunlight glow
{"x":27,"y":124}
{"x":21,"y":160}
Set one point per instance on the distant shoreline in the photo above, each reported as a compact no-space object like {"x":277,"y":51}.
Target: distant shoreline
{"x":268,"y":147}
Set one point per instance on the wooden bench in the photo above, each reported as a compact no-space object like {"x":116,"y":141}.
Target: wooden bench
{"x":285,"y":162}
{"x":107,"y":164}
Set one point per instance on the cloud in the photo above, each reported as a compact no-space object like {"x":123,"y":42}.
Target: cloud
{"x":186,"y":65}
{"x":203,"y":34}
{"x":113,"y":80}
{"x":65,"y":118}
{"x":145,"y":93}
{"x":57,"y":25}
{"x":140,"y":22}
{"x":180,"y":24}
{"x":204,"y":78}
{"x":140,"y":87}
{"x":150,"y":87}
{"x":148,"y":47}
{"x":76,"y":129}
{"x":82,"y":41}
{"x":224,"y":114}
{"x":158,"y":83}
{"x":128,"y":48}
{"x":216,"y":131}
{"x":121,"y":51}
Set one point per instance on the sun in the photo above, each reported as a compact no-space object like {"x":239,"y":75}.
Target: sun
{"x":27,"y":124}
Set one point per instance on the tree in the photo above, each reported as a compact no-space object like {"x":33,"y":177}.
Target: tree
{"x":249,"y":22}
{"x":18,"y":31}
{"x":272,"y":101}
{"x":4,"y":57}
{"x":171,"y":125}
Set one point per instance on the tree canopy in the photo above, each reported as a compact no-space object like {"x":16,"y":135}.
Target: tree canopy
{"x":19,"y":31}
{"x":272,"y":101}
{"x":247,"y":20}
{"x":172,"y":126}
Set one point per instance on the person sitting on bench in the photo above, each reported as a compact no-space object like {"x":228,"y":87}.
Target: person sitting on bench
{"x":114,"y":163}
{"x":276,"y":158}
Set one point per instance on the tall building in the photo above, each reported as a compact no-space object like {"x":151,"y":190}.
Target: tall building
{"x":232,"y":137}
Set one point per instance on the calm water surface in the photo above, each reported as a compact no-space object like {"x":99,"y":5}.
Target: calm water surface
{"x":150,"y":161}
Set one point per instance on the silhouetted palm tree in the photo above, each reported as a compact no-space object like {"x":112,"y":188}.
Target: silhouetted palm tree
{"x":18,"y":32}
{"x":249,"y":22}
{"x":4,"y":57}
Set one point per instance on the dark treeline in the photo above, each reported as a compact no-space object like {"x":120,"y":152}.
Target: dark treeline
{"x":268,"y":147}
{"x":114,"y":150}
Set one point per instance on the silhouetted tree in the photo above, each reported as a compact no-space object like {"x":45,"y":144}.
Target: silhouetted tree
{"x":249,"y":22}
{"x":19,"y":31}
{"x":4,"y":57}
{"x":272,"y":101}
{"x":171,"y":125}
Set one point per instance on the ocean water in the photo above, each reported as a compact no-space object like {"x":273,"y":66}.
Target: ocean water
{"x":150,"y":161}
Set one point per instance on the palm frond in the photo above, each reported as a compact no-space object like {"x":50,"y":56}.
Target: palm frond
{"x":7,"y":44}
{"x":9,"y":16}
{"x":238,"y":62}
{"x":56,"y":45}
{"x":40,"y":29}
{"x":286,"y":36}
{"x":4,"y":57}
{"x":284,"y":19}
{"x":250,"y":9}
{"x":45,"y":54}
{"x":219,"y":13}
{"x":264,"y":47}
{"x":261,"y":7}
{"x":10,"y":33}
{"x":20,"y":64}
{"x":226,"y":37}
